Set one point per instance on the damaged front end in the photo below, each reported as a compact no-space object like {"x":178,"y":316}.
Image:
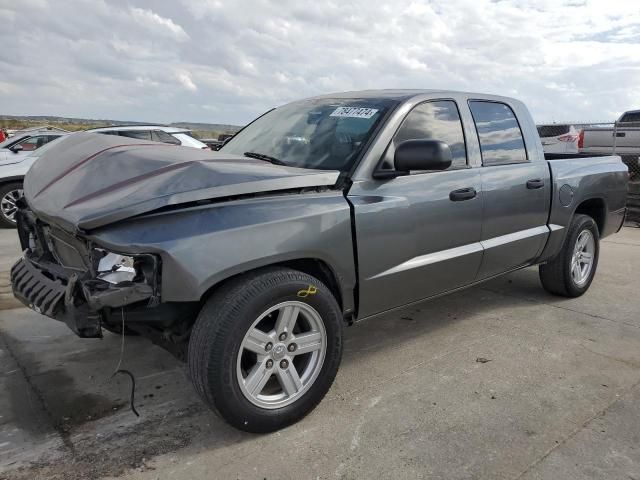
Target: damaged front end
{"x":71,"y":279}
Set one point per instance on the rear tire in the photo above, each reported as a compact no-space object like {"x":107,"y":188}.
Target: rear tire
{"x":279,"y":326}
{"x":9,"y":194}
{"x":571,"y":271}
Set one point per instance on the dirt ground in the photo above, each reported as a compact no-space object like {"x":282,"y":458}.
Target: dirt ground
{"x":501,"y":381}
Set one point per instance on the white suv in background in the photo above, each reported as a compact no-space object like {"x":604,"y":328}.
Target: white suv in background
{"x":559,"y":138}
{"x":154,"y":133}
{"x":15,"y":148}
{"x":14,"y":166}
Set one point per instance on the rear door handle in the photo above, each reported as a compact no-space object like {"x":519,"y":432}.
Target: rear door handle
{"x":535,"y":183}
{"x":462,"y":194}
{"x":621,"y":134}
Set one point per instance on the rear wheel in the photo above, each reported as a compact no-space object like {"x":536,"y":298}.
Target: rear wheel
{"x":571,"y":272}
{"x":9,"y":196}
{"x":266,"y":348}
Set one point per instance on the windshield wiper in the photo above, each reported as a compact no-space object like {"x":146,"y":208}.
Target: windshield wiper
{"x":266,"y":158}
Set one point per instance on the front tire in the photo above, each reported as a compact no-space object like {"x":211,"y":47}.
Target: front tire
{"x":265,"y":348}
{"x":9,"y":195}
{"x":571,"y":272}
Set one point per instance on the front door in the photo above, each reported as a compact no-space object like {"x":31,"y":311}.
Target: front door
{"x":419,"y":235}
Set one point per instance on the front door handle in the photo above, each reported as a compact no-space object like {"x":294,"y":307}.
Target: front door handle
{"x":462,"y":194}
{"x":535,"y":183}
{"x":621,"y":134}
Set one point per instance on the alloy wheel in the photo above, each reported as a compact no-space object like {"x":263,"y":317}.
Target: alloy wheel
{"x":281,"y":355}
{"x":8,"y":206}
{"x":583,"y":257}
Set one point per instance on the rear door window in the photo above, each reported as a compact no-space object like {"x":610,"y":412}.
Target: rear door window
{"x":501,"y":140}
{"x":437,"y":120}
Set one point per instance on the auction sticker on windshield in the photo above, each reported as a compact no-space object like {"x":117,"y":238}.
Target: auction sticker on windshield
{"x":354,"y":112}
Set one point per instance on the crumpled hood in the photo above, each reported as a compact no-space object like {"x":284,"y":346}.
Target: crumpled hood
{"x":91,"y":180}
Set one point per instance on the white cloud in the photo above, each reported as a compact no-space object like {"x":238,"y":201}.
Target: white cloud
{"x":157,"y":24}
{"x":224,"y":61}
{"x":185,"y":80}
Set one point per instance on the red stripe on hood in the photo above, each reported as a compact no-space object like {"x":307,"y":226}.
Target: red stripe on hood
{"x":91,"y":157}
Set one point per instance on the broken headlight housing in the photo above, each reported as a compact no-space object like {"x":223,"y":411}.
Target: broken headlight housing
{"x":115,"y":268}
{"x":119,"y":279}
{"x":118,"y":268}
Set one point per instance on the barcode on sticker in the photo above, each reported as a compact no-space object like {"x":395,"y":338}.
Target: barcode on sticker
{"x":354,"y":112}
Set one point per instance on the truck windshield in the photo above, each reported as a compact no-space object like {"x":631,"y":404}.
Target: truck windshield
{"x":324,"y":134}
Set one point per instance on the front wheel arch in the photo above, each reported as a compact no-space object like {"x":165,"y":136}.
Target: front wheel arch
{"x":315,"y":267}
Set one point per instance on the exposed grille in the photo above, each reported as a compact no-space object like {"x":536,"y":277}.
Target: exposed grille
{"x":51,"y":244}
{"x":65,"y":249}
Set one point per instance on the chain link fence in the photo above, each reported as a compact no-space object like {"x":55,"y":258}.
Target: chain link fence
{"x":633,"y":162}
{"x":564,"y":128}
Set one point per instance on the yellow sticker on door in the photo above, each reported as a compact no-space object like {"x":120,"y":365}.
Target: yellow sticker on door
{"x":309,"y":291}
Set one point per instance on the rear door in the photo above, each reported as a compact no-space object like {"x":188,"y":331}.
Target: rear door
{"x":515,"y":187}
{"x":415,"y":236}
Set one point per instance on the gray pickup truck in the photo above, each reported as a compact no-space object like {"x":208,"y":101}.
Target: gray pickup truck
{"x":622,"y":139}
{"x":248,"y":262}
{"x":625,"y":135}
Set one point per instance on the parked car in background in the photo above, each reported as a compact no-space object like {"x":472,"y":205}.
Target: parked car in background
{"x":217,"y":144}
{"x":624,"y":134}
{"x":249,"y":262}
{"x":13,"y":149}
{"x":12,"y":172}
{"x":559,"y":138}
{"x":212,"y":143}
{"x":154,"y":133}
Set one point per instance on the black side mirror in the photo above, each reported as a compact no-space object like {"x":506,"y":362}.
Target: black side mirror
{"x":422,"y":155}
{"x":16,"y":148}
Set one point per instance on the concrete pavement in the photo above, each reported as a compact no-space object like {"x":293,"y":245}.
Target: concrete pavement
{"x":415,"y":396}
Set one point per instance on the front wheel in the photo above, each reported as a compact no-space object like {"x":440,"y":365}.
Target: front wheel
{"x":571,"y":272}
{"x":266,"y":348}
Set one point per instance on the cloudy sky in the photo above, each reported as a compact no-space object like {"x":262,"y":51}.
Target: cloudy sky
{"x":226,"y":61}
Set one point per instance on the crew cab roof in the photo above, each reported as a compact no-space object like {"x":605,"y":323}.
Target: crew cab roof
{"x":406,"y":94}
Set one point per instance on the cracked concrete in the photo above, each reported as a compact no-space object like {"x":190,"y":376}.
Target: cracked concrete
{"x":559,"y":398}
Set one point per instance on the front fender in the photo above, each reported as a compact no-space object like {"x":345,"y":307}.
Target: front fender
{"x":203,"y":245}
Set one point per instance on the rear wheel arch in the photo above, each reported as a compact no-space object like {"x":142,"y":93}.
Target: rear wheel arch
{"x":595,"y":208}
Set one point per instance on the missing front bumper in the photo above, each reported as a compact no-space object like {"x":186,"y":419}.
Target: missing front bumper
{"x":78,"y":304}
